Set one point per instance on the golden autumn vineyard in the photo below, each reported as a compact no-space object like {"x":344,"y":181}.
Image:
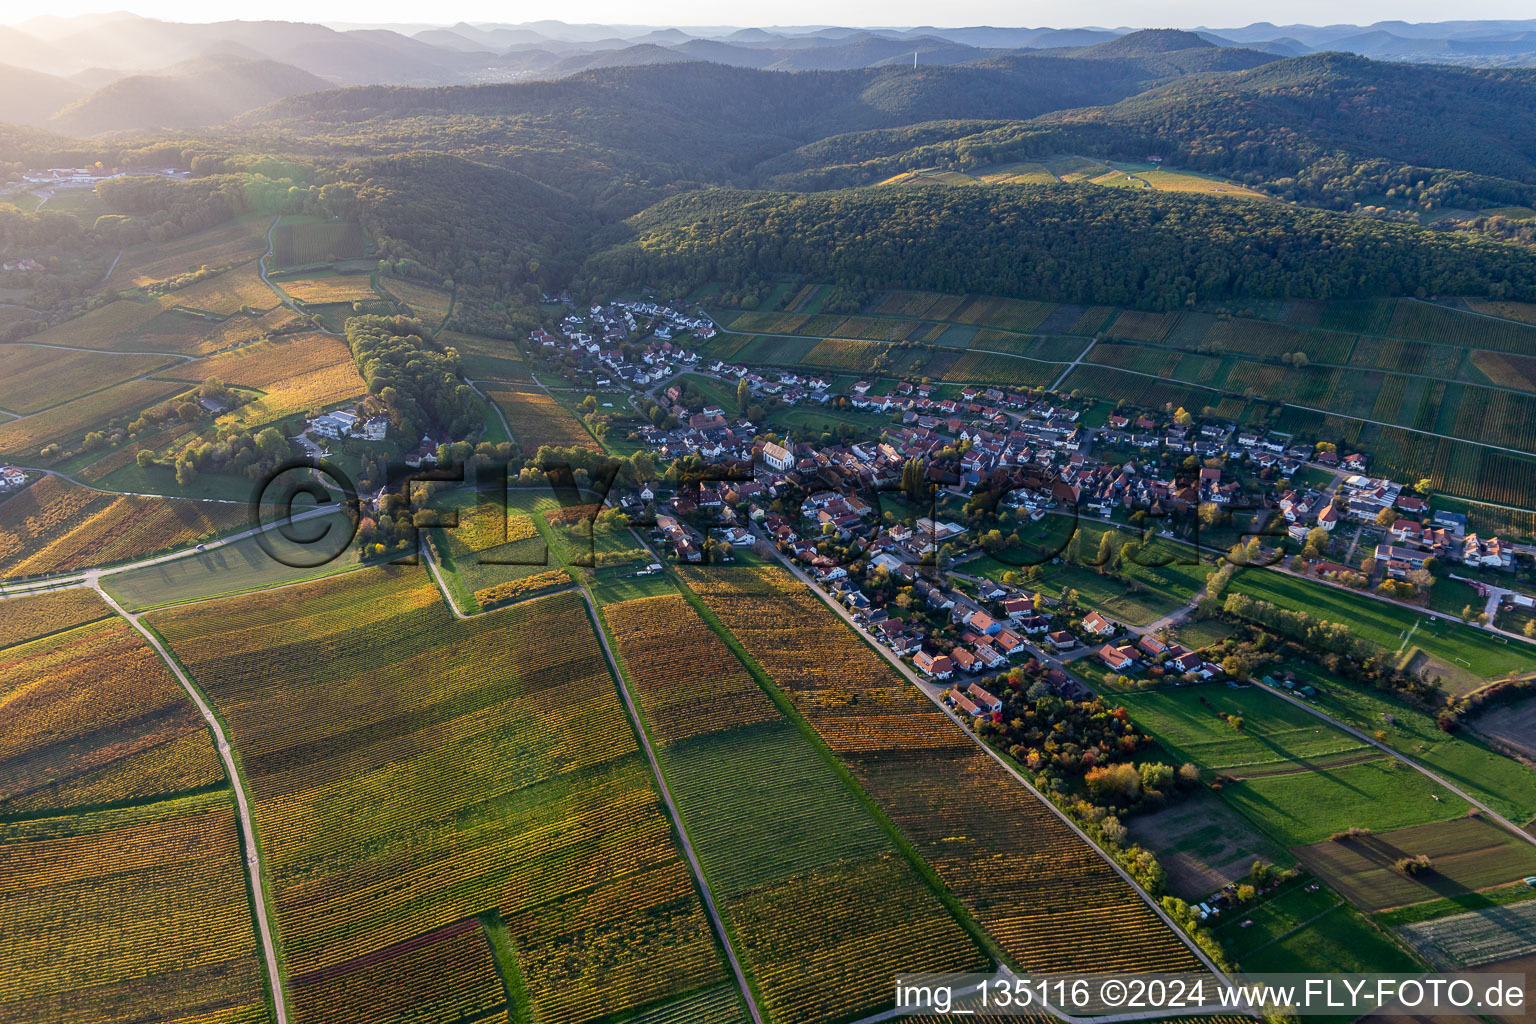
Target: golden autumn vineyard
{"x":1054,"y":903}
{"x":512,"y":779}
{"x":812,"y":887}
{"x":628,"y":675}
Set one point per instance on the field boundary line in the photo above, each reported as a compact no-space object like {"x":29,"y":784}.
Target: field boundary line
{"x":912,"y":678}
{"x":1399,"y":755}
{"x":1341,"y":415}
{"x":595,"y":620}
{"x":1287,"y":934}
{"x":1056,"y":384}
{"x":237,"y":784}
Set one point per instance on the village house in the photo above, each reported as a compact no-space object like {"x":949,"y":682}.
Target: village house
{"x":1061,"y":640}
{"x":1097,"y":625}
{"x":1489,"y":554}
{"x":984,"y":699}
{"x":1119,"y":659}
{"x":939,"y":667}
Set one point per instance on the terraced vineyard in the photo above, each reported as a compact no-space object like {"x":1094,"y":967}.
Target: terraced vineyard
{"x":225,"y":294}
{"x":487,"y":358}
{"x":496,"y":553}
{"x":410,"y":770}
{"x":231,"y":243}
{"x":1052,"y":902}
{"x":1108,"y":383}
{"x":301,"y":240}
{"x":29,"y":617}
{"x":819,"y":900}
{"x":324,"y":291}
{"x":68,"y":423}
{"x":429,"y":305}
{"x":445,"y":975}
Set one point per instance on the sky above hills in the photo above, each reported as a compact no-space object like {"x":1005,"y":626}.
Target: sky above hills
{"x":897,"y":13}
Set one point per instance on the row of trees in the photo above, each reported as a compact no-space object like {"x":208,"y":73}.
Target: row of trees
{"x":415,"y":379}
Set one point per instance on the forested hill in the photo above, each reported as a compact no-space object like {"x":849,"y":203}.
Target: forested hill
{"x":681,"y":122}
{"x":1091,"y":245}
{"x":1327,"y":129}
{"x":1277,"y":118}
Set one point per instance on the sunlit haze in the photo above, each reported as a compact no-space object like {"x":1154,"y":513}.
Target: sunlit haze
{"x":884,"y":13}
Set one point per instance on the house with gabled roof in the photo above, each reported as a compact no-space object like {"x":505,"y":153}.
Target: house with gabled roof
{"x":1097,"y":625}
{"x":937,"y":666}
{"x":1119,"y":659}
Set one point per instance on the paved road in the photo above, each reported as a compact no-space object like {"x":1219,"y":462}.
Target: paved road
{"x":252,"y":858}
{"x":1359,"y":419}
{"x":1055,"y":384}
{"x":261,"y":268}
{"x":1410,"y":762}
{"x":85,"y":577}
{"x":645,"y":743}
{"x":931,"y":690}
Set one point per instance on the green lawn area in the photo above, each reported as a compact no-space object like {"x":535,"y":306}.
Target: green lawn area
{"x":612,"y":585}
{"x":1172,"y":569}
{"x":1306,"y":807}
{"x":235,"y":568}
{"x":1393,"y":627}
{"x":1299,"y":931}
{"x":818,"y":419}
{"x":1106,"y":593}
{"x":1504,"y":895}
{"x":1199,"y":633}
{"x":1311,"y":476}
{"x":1501,"y":782}
{"x":161,"y":479}
{"x":495,"y":431}
{"x":715,"y":391}
{"x":1453,"y":596}
{"x":1275,"y":733}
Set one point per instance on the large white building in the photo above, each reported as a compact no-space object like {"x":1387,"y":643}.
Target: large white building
{"x":777,"y":457}
{"x":334,"y":424}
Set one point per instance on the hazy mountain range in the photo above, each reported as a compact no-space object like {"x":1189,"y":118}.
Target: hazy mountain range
{"x":97,"y":73}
